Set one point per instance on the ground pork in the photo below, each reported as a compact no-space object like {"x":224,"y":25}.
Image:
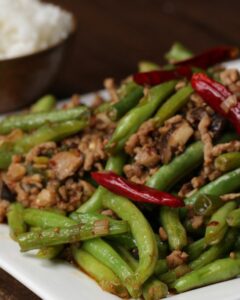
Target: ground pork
{"x":174,"y":135}
{"x":136,"y":173}
{"x":67,"y":195}
{"x":197,"y":221}
{"x":176,"y":258}
{"x":150,"y":146}
{"x":141,"y":137}
{"x":92,"y":148}
{"x":45,"y":149}
{"x":180,"y":85}
{"x":229,"y":76}
{"x":73,"y":102}
{"x":233,"y":146}
{"x":50,"y":175}
{"x":4,"y":204}
{"x":66,"y":163}
{"x":97,"y":101}
{"x":147,"y":156}
{"x":162,"y":233}
{"x":206,"y":139}
{"x":16,"y":171}
{"x":209,"y":173}
{"x":110,"y":86}
{"x":230,"y":197}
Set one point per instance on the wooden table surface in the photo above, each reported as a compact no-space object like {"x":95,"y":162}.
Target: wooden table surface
{"x":113,"y":36}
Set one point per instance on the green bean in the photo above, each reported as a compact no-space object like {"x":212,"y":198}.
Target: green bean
{"x":129,"y":95}
{"x":127,"y":256}
{"x":88,"y":217}
{"x":162,"y":247}
{"x":233,"y":218}
{"x":198,"y":231}
{"x":136,"y":116}
{"x":215,"y":251}
{"x":45,"y":219}
{"x":35,"y":120}
{"x":178,"y":52}
{"x":147,"y":66}
{"x":177,"y":237}
{"x":35,"y":229}
{"x":44,"y":104}
{"x":217,"y":226}
{"x":206,"y":205}
{"x":228,"y":137}
{"x":172,"y":275}
{"x":227,"y":161}
{"x":219,"y":270}
{"x":55,"y":210}
{"x":237,"y":244}
{"x":133,"y":94}
{"x":94,"y":203}
{"x":49,"y":132}
{"x":127,"y":240}
{"x":124,"y":239}
{"x":58,"y":236}
{"x":225,"y":184}
{"x":100,"y":272}
{"x":142,"y":232}
{"x":50,"y":252}
{"x":161,"y":267}
{"x":102,"y":108}
{"x":15,"y":220}
{"x":5,"y":158}
{"x":180,"y":166}
{"x":195,"y":249}
{"x":109,"y":257}
{"x":173,"y":105}
{"x":154,"y":289}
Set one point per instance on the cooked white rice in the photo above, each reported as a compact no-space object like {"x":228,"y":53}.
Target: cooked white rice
{"x":28,"y":26}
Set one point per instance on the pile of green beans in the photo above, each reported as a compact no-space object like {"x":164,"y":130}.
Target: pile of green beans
{"x":42,"y":124}
{"x":129,"y":249}
{"x":130,"y":123}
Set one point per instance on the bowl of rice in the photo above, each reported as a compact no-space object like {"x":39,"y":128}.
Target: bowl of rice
{"x":34,"y":39}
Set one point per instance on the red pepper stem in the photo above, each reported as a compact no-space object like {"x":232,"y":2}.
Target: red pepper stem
{"x":134,"y":191}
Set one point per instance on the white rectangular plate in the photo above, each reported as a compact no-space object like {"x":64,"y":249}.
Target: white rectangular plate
{"x":58,"y":280}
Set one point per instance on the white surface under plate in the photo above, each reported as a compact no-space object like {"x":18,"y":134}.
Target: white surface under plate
{"x":60,"y":281}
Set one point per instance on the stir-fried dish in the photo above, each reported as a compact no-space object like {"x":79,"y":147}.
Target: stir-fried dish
{"x":140,"y":192}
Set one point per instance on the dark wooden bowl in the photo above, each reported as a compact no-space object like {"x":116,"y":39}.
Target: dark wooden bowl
{"x":23,"y":79}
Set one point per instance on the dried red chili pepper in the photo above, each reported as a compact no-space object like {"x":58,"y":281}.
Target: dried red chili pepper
{"x":156,"y":77}
{"x":218,"y":97}
{"x":210,"y":57}
{"x":134,"y":191}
